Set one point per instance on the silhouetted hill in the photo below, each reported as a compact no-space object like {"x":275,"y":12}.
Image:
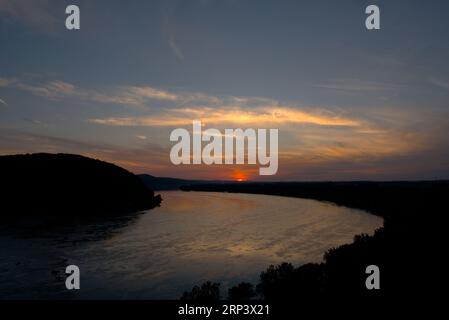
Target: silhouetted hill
{"x":62,"y":184}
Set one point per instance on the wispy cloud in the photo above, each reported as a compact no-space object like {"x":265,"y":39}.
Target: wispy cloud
{"x":175,"y":48}
{"x":151,"y":93}
{"x":186,"y":106}
{"x":240,"y":116}
{"x":439,"y":83}
{"x":339,"y":157}
{"x":4,"y":82}
{"x":51,"y":90}
{"x":124,"y":95}
{"x":357,"y":85}
{"x":38,"y":15}
{"x":312,"y":138}
{"x":147,"y":158}
{"x":140,"y":96}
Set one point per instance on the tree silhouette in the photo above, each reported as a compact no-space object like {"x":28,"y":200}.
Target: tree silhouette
{"x":242,"y":292}
{"x":207,"y":292}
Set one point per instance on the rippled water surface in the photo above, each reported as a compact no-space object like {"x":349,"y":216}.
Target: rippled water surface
{"x":191,"y":238}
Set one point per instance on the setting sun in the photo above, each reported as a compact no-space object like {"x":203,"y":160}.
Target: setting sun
{"x":239,"y":176}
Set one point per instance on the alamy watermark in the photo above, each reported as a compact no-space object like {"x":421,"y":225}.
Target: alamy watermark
{"x":72,"y":22}
{"x":73,"y":279}
{"x":240,"y":146}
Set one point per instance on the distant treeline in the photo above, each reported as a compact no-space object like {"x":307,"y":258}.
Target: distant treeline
{"x":380,"y":198}
{"x":161,"y":183}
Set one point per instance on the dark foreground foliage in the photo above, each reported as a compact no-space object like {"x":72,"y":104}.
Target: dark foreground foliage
{"x":341,"y":274}
{"x":207,"y":292}
{"x":242,"y":291}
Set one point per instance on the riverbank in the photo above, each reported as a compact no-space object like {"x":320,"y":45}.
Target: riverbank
{"x":405,"y":248}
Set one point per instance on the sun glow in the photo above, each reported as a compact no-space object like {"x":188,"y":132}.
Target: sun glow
{"x":239,"y":176}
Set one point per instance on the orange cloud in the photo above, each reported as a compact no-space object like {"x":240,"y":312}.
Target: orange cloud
{"x":232,"y":115}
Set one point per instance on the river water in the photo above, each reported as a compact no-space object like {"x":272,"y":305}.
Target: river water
{"x":193,"y":237}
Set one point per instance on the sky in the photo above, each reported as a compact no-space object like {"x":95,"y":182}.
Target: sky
{"x":350,"y":104}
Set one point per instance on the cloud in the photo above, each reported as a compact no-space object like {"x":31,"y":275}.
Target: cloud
{"x":38,"y":15}
{"x":34,"y":121}
{"x":238,"y":116}
{"x":353,"y":144}
{"x":4,"y":82}
{"x":51,"y":90}
{"x":439,"y":83}
{"x":354,"y":157}
{"x":151,"y":93}
{"x":137,"y":96}
{"x":124,"y":95}
{"x":149,"y":157}
{"x":357,"y":85}
{"x":313,"y":140}
{"x":176,"y":50}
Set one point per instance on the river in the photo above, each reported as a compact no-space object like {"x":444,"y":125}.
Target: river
{"x":193,"y":237}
